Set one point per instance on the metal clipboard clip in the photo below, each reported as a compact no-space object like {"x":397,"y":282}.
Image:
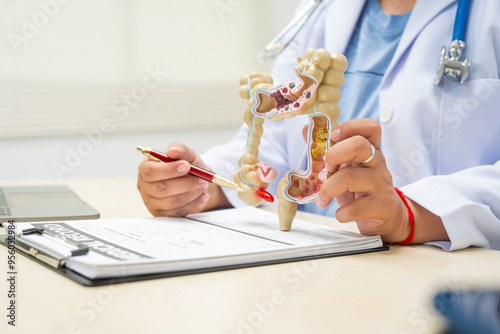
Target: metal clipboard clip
{"x":46,"y":255}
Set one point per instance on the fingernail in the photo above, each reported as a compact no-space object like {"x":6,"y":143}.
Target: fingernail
{"x":320,"y":202}
{"x":327,"y":166}
{"x":183,"y":168}
{"x":335,"y":134}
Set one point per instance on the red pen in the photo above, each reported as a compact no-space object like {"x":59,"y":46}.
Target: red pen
{"x":195,"y":171}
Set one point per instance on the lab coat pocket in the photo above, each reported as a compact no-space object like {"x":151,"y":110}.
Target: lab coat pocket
{"x":469,"y":125}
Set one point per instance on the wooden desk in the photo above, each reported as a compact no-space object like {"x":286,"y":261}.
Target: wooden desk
{"x":386,"y":292}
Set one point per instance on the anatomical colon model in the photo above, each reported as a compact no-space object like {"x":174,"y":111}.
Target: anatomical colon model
{"x":315,"y":94}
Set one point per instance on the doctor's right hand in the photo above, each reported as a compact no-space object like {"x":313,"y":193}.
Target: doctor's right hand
{"x":168,"y":190}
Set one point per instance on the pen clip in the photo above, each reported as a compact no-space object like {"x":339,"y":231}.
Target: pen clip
{"x":151,"y":157}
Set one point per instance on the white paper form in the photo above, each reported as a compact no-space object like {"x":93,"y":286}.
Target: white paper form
{"x":120,"y":247}
{"x":265,"y":224}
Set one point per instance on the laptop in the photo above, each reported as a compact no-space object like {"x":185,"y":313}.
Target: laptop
{"x":42,"y":203}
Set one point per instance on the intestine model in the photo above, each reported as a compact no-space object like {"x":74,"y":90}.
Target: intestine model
{"x":315,"y":94}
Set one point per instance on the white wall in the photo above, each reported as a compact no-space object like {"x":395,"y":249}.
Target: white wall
{"x":60,"y":158}
{"x":209,"y":43}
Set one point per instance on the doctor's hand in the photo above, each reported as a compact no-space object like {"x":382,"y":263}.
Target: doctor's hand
{"x":364,"y":190}
{"x":168,"y":190}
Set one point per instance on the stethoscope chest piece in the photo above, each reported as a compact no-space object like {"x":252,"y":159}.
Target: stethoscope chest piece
{"x":450,"y":63}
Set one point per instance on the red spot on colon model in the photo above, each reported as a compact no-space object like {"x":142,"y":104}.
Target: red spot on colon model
{"x":264,"y":195}
{"x":280,"y":99}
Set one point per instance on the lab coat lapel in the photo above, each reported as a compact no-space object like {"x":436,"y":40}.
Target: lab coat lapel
{"x":423,"y":12}
{"x":341,"y":19}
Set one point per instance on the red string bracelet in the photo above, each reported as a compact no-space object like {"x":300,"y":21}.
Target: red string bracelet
{"x":412,"y":220}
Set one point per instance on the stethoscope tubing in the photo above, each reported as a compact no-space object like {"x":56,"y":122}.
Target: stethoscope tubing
{"x":460,"y":20}
{"x":281,"y":41}
{"x":450,"y":65}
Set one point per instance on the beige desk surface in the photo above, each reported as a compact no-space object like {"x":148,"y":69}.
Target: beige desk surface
{"x":386,"y":292}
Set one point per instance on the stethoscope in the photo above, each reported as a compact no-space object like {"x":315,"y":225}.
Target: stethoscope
{"x":281,"y":41}
{"x":450,"y":65}
{"x":449,"y":62}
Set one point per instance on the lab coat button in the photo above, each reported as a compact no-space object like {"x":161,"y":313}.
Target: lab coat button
{"x":385,"y":114}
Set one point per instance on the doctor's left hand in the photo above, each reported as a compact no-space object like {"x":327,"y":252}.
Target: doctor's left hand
{"x":363,"y":189}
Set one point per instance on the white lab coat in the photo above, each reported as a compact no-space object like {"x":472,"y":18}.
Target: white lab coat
{"x":442,"y":144}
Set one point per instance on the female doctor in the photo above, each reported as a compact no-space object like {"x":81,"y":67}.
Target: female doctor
{"x":440,"y":145}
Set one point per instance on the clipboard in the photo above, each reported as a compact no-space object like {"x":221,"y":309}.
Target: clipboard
{"x":112,"y":251}
{"x":54,"y":262}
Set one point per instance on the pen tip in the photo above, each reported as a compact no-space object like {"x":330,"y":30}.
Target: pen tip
{"x":140,"y":148}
